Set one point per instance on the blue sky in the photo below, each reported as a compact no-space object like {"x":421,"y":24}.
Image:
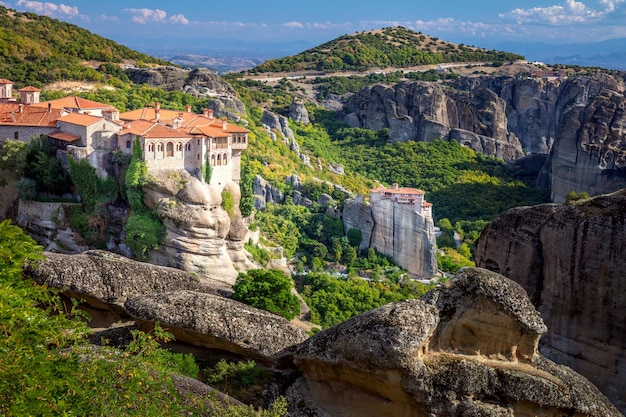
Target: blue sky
{"x":479,"y":22}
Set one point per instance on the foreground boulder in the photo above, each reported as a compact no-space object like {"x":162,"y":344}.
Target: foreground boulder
{"x":105,"y":280}
{"x":216,"y":322}
{"x":572,"y":261}
{"x":466,"y":349}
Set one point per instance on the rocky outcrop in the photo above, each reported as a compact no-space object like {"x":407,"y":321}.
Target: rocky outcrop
{"x":200,"y":82}
{"x":396,"y":231}
{"x":199,"y":230}
{"x":467,"y":348}
{"x":427,"y":111}
{"x":589,"y":153}
{"x":578,"y":120}
{"x":215,"y":322}
{"x":265,"y":192}
{"x":571,"y":259}
{"x":106,"y":280}
{"x":277,"y":123}
{"x":298,"y":112}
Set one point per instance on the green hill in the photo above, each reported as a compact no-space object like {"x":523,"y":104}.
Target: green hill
{"x":389,"y":47}
{"x":36,"y":50}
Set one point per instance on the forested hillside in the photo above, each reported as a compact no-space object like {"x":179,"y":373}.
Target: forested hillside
{"x":390,"y":47}
{"x":36,"y":50}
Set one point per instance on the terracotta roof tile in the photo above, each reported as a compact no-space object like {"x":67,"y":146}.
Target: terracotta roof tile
{"x":80,"y":119}
{"x":10,"y":114}
{"x":65,"y":137}
{"x":5,"y":81}
{"x":73,"y":102}
{"x":152,"y":130}
{"x":30,"y":89}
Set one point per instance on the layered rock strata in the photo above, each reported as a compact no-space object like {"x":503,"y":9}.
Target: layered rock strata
{"x":571,"y":259}
{"x":468,"y":348}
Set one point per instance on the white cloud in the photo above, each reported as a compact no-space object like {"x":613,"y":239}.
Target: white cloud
{"x":179,"y":18}
{"x":570,"y":12}
{"x":49,"y":9}
{"x":143,"y":16}
{"x":107,"y":18}
{"x":293,"y":24}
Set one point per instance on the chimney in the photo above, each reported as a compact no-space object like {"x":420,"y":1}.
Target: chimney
{"x":395,"y":186}
{"x":188,"y":108}
{"x":49,"y":107}
{"x":157,"y":105}
{"x":21,"y":108}
{"x":208,"y":113}
{"x":157,"y":110}
{"x":224,"y":123}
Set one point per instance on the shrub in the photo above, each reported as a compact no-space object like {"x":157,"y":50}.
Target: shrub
{"x":228,"y":203}
{"x":268,"y":290}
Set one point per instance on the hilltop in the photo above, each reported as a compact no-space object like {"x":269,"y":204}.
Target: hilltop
{"x":389,"y":47}
{"x":36,"y":50}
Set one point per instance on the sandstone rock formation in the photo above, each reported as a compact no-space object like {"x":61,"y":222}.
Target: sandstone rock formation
{"x":466,"y":349}
{"x":571,"y":259}
{"x":106,"y":280}
{"x":578,"y":120}
{"x":215,"y":322}
{"x":589,"y":152}
{"x":199,"y":231}
{"x":426,"y":111}
{"x":406,"y":236}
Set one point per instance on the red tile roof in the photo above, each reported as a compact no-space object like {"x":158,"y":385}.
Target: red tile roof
{"x":30,"y":89}
{"x":152,"y":130}
{"x":10,"y":114}
{"x":65,"y":137}
{"x":80,"y":119}
{"x":73,"y":102}
{"x":402,"y":190}
{"x":190,"y":121}
{"x":5,"y":81}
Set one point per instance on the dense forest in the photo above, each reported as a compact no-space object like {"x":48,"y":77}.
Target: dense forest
{"x":36,"y":50}
{"x":390,"y":47}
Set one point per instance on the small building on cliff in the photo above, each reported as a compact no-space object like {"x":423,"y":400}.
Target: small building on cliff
{"x":398,"y":223}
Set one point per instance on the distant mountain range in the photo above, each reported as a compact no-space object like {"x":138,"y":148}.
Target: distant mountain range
{"x":609,"y":54}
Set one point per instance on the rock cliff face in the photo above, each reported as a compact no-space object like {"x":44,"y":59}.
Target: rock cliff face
{"x":426,"y":111}
{"x":406,"y":236}
{"x":578,"y":120}
{"x":201,"y":236}
{"x":571,"y":259}
{"x":589,"y":152}
{"x":466,"y":349}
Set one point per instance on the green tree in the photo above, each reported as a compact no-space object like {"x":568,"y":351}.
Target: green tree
{"x":268,"y":290}
{"x":246,"y":204}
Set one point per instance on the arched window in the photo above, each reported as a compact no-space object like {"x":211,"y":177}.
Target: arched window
{"x":179,"y":147}
{"x":151,"y":147}
{"x":212,"y":160}
{"x":127,"y":144}
{"x":219,"y":159}
{"x":170,"y":149}
{"x":225,"y":160}
{"x":160,"y":147}
{"x":189,"y":147}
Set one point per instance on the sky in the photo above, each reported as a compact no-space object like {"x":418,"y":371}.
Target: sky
{"x":483,"y":23}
